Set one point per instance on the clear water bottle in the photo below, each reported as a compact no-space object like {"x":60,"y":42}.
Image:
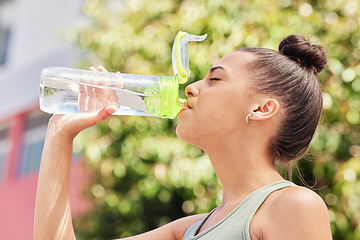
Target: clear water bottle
{"x":69,"y":90}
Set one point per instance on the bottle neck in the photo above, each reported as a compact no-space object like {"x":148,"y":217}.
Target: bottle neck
{"x":167,"y":103}
{"x":169,"y":106}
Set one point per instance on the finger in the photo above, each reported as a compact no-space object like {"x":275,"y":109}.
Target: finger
{"x":101,"y":98}
{"x":100,"y":103}
{"x":88,"y":100}
{"x":82,"y":98}
{"x":113,"y":99}
{"x":111,"y":109}
{"x":90,"y":119}
{"x":117,"y":82}
{"x":81,"y":101}
{"x":91,"y":104}
{"x":101,"y":69}
{"x":86,"y":80}
{"x":101,"y":115}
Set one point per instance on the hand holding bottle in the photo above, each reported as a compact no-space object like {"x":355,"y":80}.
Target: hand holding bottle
{"x":52,"y":211}
{"x":93,"y":98}
{"x":69,"y":125}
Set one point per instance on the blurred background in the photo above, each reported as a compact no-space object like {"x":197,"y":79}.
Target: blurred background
{"x":131,"y":174}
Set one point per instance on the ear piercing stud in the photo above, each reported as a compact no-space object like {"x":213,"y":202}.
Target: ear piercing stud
{"x":248,"y":118}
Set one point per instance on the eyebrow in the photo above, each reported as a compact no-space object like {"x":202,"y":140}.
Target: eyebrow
{"x":215,"y":68}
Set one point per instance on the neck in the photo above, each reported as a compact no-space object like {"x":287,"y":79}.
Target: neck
{"x":242,"y":171}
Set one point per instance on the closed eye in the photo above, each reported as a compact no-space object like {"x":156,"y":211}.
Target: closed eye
{"x":214,"y":79}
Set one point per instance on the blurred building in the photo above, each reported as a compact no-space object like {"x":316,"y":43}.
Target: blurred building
{"x":29,"y":43}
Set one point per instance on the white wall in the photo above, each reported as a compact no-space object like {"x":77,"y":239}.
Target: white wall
{"x":34,"y":45}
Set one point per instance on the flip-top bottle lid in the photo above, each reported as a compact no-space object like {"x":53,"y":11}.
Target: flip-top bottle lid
{"x":170,"y":103}
{"x":180,"y":54}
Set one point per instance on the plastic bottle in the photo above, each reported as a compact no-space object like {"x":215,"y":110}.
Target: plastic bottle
{"x":68,"y":90}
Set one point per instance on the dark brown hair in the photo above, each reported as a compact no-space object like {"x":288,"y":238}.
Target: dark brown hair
{"x":291,"y":76}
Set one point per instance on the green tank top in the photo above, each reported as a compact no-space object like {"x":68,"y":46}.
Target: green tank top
{"x":236,"y":224}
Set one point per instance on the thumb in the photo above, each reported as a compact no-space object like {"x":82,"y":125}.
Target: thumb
{"x":104,"y":113}
{"x":70,"y":125}
{"x":93,"y":119}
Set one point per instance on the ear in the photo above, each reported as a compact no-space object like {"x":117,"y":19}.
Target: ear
{"x":266,"y":111}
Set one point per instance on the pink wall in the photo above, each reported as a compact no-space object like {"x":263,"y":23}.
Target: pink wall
{"x":17,"y":201}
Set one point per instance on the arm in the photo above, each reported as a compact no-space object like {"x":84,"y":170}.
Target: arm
{"x":171,"y":231}
{"x":52,"y":208}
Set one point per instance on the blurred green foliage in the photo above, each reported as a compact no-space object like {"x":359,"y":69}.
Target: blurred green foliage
{"x":144,"y":175}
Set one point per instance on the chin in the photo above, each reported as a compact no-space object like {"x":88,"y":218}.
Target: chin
{"x":187,"y":135}
{"x":180,"y":133}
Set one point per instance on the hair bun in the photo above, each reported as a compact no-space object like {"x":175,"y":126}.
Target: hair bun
{"x":296,"y":47}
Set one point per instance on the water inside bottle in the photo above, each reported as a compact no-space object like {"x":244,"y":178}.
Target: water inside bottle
{"x":63,"y":97}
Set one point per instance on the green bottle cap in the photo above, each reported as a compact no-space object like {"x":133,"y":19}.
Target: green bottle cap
{"x":170,"y":102}
{"x":167,"y":103}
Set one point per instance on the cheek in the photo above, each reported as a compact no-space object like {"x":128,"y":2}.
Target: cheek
{"x":218,"y":110}
{"x":215,"y":114}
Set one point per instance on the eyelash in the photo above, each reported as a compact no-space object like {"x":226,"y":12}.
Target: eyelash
{"x":214,"y":79}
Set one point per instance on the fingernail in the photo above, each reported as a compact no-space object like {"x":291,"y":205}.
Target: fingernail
{"x":111,"y":109}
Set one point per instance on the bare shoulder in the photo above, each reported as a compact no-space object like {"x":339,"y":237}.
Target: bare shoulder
{"x":297,"y":198}
{"x":293,"y":213}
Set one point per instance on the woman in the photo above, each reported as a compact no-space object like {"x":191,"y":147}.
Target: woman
{"x":255,"y":106}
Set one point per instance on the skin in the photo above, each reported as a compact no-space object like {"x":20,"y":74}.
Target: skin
{"x":92,"y":99}
{"x":213,"y":120}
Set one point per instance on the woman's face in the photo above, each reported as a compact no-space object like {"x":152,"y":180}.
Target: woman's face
{"x":217,"y":105}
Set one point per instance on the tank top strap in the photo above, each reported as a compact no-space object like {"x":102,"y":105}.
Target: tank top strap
{"x":257,"y":198}
{"x":236,"y":224}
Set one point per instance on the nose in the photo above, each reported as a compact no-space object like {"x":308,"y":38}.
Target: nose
{"x":192,"y":89}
